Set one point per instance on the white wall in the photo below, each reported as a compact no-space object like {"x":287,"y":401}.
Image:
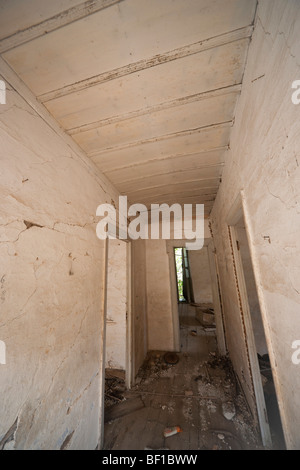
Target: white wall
{"x":264,"y":161}
{"x":51,"y":316}
{"x":200,"y":274}
{"x":159,"y":307}
{"x":115,"y":348}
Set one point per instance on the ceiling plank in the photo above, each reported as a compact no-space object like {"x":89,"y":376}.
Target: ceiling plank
{"x":174,"y":162}
{"x":197,"y":142}
{"x":180,"y":186}
{"x":55,"y":22}
{"x":204,"y":190}
{"x":159,"y":59}
{"x":179,"y":199}
{"x":174,"y":188}
{"x":178,"y":79}
{"x":120,"y":177}
{"x":208,"y":205}
{"x":169,"y":197}
{"x":182,"y":101}
{"x":166,"y":191}
{"x":167,"y":122}
{"x":185,"y":177}
{"x":161,"y":138}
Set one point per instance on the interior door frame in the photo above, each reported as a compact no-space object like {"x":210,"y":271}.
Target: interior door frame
{"x":235,"y":214}
{"x":103,"y":349}
{"x":217,"y":295}
{"x":170,"y":245}
{"x":129,"y":368}
{"x":129,"y":372}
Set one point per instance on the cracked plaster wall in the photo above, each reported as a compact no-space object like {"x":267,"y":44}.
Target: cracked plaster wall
{"x":264,"y":162}
{"x":51,"y":315}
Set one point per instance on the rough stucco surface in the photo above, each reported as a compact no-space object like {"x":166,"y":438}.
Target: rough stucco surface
{"x":264,"y":161}
{"x":200,"y":274}
{"x":51,"y":285}
{"x":115,"y":347}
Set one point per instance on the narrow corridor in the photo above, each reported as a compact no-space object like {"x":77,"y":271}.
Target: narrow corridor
{"x":199,"y":394}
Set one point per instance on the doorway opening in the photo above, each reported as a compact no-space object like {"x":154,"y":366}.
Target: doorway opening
{"x":256,"y":343}
{"x":194,"y":297}
{"x":183,"y":276}
{"x":202,"y":308}
{"x":118,"y":340}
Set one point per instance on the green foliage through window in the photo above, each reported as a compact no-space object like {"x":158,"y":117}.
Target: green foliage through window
{"x":179,"y":272}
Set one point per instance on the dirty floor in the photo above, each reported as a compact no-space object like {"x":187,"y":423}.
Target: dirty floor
{"x":195,"y":394}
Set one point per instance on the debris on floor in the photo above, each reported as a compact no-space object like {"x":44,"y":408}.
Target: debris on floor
{"x":171,"y":358}
{"x":199,"y":393}
{"x":226,"y":441}
{"x":114,"y":387}
{"x":168,"y":432}
{"x":271,"y":401}
{"x":155,"y":365}
{"x":205,"y":315}
{"x":228,"y":410}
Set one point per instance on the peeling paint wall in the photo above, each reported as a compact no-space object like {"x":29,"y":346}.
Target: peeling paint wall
{"x":115,"y":347}
{"x":264,"y":162}
{"x":200,"y":274}
{"x":51,"y":306}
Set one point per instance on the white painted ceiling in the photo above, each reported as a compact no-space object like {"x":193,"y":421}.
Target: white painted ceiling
{"x":147,"y":88}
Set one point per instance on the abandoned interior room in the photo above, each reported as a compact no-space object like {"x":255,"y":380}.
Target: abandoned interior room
{"x":127,"y":342}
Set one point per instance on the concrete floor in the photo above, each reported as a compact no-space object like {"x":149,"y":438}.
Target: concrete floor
{"x":189,"y":394}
